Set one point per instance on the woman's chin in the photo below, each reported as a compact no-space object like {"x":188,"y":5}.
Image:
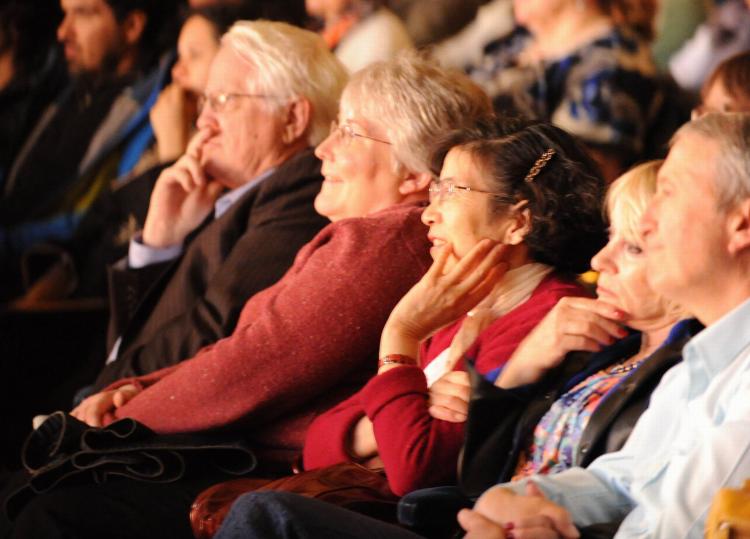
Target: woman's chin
{"x":435,"y":251}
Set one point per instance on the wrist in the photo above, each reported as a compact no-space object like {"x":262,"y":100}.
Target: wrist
{"x":158,"y":237}
{"x":510,"y":377}
{"x":394,"y":340}
{"x":402,"y":326}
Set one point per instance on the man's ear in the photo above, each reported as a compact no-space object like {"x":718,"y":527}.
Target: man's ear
{"x":133,"y":26}
{"x":738,"y":225}
{"x":414,"y":182}
{"x":297,"y":121}
{"x":520,"y":224}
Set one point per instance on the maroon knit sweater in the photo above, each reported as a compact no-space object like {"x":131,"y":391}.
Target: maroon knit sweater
{"x":300,"y":346}
{"x":417,"y":450}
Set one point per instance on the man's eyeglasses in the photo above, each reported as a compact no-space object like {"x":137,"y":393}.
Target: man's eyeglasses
{"x":222,"y":102}
{"x":347,"y":133}
{"x":442,"y":189}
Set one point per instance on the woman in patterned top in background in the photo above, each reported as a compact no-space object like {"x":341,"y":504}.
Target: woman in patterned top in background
{"x":584,"y":65}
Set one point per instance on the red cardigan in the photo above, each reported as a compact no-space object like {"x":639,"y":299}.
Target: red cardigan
{"x":417,"y":450}
{"x":301,"y":345}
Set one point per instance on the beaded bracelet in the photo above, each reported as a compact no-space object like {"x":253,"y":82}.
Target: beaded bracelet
{"x":396,"y":359}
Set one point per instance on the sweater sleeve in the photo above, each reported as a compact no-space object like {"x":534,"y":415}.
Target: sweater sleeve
{"x":327,"y":438}
{"x":142,"y":382}
{"x":417,"y":450}
{"x":304,"y":337}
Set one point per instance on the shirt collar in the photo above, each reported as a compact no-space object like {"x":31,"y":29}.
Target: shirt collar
{"x":227,"y":200}
{"x":716,"y":346}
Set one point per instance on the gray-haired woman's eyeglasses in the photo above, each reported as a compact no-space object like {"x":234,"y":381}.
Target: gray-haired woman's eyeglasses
{"x":347,"y":133}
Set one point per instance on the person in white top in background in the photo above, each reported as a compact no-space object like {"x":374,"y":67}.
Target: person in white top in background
{"x":360,"y":32}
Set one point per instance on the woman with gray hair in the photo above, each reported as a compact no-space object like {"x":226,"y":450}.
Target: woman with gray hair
{"x":308,"y":341}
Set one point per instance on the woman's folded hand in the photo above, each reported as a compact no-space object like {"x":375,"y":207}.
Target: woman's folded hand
{"x":449,"y":397}
{"x":573,"y":324}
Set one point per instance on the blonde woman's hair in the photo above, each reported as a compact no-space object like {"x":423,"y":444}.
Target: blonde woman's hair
{"x":289,"y":63}
{"x":628,"y":197}
{"x":415,"y":101}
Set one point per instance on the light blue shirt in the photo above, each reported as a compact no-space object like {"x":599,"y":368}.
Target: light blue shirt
{"x":141,"y":255}
{"x":692,"y":440}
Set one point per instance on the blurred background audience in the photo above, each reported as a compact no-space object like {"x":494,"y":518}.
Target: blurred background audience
{"x":583,"y":65}
{"x":360,"y":32}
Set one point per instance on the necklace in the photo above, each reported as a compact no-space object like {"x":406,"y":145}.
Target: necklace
{"x":623,"y":367}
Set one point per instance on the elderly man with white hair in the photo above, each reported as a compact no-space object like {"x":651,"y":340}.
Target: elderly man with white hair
{"x":227,"y":219}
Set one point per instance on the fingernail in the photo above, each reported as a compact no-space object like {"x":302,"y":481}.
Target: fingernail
{"x":509,"y":526}
{"x":509,"y":535}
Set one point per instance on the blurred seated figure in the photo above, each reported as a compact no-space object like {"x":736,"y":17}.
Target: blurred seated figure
{"x":32,"y":71}
{"x":514,"y":214}
{"x":494,"y":20}
{"x":726,"y":32}
{"x":175,"y":112}
{"x":77,"y":267}
{"x":291,"y":11}
{"x":727,"y":89}
{"x":430,"y":21}
{"x":360,"y":32}
{"x":571,"y":391}
{"x":96,"y":129}
{"x":310,"y":340}
{"x":583,"y":65}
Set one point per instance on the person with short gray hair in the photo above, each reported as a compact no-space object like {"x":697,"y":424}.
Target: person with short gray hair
{"x":418,"y":100}
{"x":226,"y":220}
{"x":316,"y":75}
{"x":733,"y":170}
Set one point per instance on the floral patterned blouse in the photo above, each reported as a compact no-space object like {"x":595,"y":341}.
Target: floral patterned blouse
{"x":557,"y":434}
